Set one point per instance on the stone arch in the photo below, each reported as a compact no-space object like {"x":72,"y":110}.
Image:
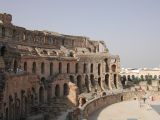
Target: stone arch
{"x":51,"y":68}
{"x":99,"y":69}
{"x":113,"y":68}
{"x":34,"y":67}
{"x":107,"y":80}
{"x":72,"y":78}
{"x":42,"y":68}
{"x":41,"y":95}
{"x":15,"y":66}
{"x":57,"y":91}
{"x":87,"y":83}
{"x":3,"y":51}
{"x":92,"y":80}
{"x":115,"y":80}
{"x":25,"y":66}
{"x":65,"y":89}
{"x":91,"y":68}
{"x":60,"y":67}
{"x":77,"y":68}
{"x":68,"y":67}
{"x":79,"y":83}
{"x":106,"y":65}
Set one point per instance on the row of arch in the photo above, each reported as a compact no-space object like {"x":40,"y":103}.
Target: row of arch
{"x":60,"y":68}
{"x":143,"y":77}
{"x":90,"y":82}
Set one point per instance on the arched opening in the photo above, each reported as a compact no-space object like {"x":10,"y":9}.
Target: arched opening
{"x":25,"y":66}
{"x":76,"y":67}
{"x":84,"y":68}
{"x":121,"y":98}
{"x":123,"y":81}
{"x":60,"y":67}
{"x":142,"y":77}
{"x":42,"y":68}
{"x":92,"y":80}
{"x":57,"y":91}
{"x":133,"y":77}
{"x":3,"y":51}
{"x":115,"y":80}
{"x":3,"y":32}
{"x":128,"y":78}
{"x":65,"y":89}
{"x":41,"y":95}
{"x":99,"y":69}
{"x":91,"y":68}
{"x":87,"y":83}
{"x":68,"y":67}
{"x":113,"y":68}
{"x":72,"y":78}
{"x":79,"y":83}
{"x":107,"y":80}
{"x":49,"y":93}
{"x":6,"y":114}
{"x":106,"y":65}
{"x":51,"y":68}
{"x":15,"y":66}
{"x":34,"y":67}
{"x":99,"y":83}
{"x":43,"y":79}
{"x":155,"y":77}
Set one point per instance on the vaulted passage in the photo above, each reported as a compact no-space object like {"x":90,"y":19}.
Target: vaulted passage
{"x":79,"y":83}
{"x":57,"y":91}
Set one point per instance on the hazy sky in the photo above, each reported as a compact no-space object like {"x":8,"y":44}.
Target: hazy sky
{"x":130,"y":28}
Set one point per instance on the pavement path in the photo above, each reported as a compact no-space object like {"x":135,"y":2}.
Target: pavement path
{"x":127,"y":110}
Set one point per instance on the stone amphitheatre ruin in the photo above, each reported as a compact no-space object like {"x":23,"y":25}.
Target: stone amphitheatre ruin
{"x":47,"y":76}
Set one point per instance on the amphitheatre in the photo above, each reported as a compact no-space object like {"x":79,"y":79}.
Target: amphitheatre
{"x":51,"y":76}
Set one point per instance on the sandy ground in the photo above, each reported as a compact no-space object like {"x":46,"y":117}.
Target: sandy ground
{"x":128,"y":110}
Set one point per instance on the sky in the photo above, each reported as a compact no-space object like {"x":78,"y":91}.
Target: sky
{"x":130,"y":28}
